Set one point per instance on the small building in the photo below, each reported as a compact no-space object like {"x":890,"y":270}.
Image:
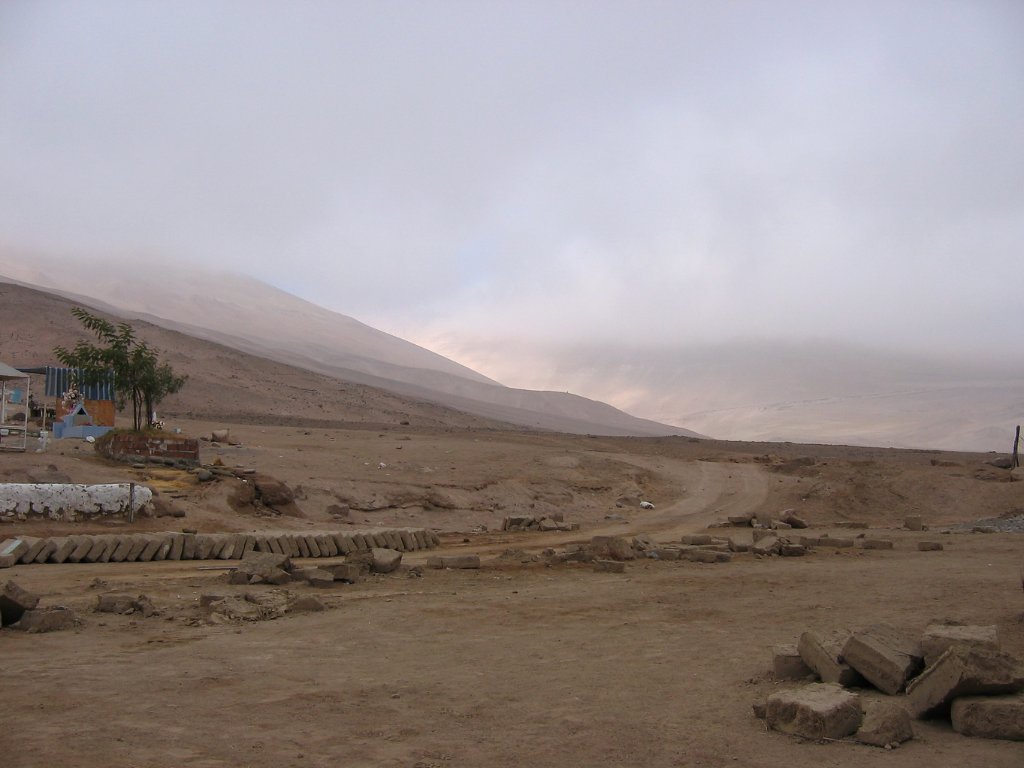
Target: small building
{"x":97,"y":401}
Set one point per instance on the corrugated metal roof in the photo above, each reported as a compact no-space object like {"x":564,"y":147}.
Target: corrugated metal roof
{"x":58,"y":381}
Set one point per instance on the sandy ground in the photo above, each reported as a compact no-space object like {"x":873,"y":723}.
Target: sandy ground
{"x":518,"y":663}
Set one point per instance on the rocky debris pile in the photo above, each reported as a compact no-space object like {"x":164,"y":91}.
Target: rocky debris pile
{"x":146,"y":547}
{"x":950,"y":670}
{"x":553,"y":522}
{"x":784,"y":520}
{"x":1011,"y":523}
{"x":19,"y":609}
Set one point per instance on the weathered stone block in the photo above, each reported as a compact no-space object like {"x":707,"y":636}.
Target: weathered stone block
{"x":696,"y":539}
{"x":13,"y":548}
{"x":65,"y":545}
{"x":82,"y":546}
{"x":884,"y":656}
{"x":938,"y":638}
{"x":913,"y":523}
{"x":885,"y":724}
{"x":816,"y":711}
{"x":823,"y":653}
{"x":787,"y":664}
{"x":963,"y":672}
{"x":14,"y":601}
{"x":350,"y":573}
{"x":316,"y":577}
{"x":929,"y":546}
{"x":997,"y":717}
{"x":609,"y":566}
{"x":767,"y":545}
{"x":31,"y":549}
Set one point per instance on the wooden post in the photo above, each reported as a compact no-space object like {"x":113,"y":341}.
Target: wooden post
{"x":131,"y":502}
{"x":1016,"y":443}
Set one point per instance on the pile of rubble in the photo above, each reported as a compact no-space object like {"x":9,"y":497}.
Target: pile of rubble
{"x":951,"y":670}
{"x":553,"y":522}
{"x":145,"y":547}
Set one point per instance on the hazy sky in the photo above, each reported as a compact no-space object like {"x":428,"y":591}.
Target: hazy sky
{"x":620,"y":172}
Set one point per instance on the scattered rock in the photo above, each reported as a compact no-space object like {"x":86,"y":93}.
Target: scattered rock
{"x":306,"y":604}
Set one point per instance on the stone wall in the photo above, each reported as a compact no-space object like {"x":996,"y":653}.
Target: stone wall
{"x":67,"y":501}
{"x":138,"y":447}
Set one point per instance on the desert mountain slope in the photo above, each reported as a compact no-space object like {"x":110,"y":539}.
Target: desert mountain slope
{"x":35,"y":321}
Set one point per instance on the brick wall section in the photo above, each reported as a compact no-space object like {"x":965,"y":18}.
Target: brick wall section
{"x":130,"y":447}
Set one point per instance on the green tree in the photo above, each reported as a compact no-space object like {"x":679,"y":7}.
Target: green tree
{"x":139,"y":376}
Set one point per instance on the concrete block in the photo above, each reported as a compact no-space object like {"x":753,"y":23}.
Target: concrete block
{"x":345,"y":544}
{"x":204,"y":545}
{"x":787,"y":664}
{"x":14,"y":601}
{"x":164,"y":550}
{"x":150,"y":548}
{"x":663,"y":553}
{"x":789,"y":549}
{"x":913,"y":523}
{"x":29,"y":552}
{"x":227,"y":549}
{"x":792,"y":519}
{"x":82,"y":546}
{"x":832,"y":541}
{"x":823,"y":654}
{"x":8,"y":561}
{"x":997,"y":717}
{"x":112,"y":542}
{"x":885,"y":724}
{"x":124,"y":544}
{"x":884,"y":656}
{"x":306,"y":604}
{"x":13,"y":548}
{"x":97,"y":546}
{"x":766,"y":545}
{"x":350,"y":573}
{"x":48,"y":548}
{"x":876,"y":544}
{"x":138,"y":544}
{"x":303,"y":545}
{"x":47,"y":620}
{"x":929,"y":546}
{"x":422,"y":542}
{"x":391,"y":540}
{"x":702,"y":555}
{"x":609,"y":566}
{"x":816,"y":711}
{"x":408,"y":540}
{"x":963,"y":672}
{"x":312,"y":546}
{"x":384,"y":560}
{"x":740,"y":520}
{"x":65,"y":545}
{"x":177,"y":546}
{"x":315,"y":577}
{"x":938,"y":638}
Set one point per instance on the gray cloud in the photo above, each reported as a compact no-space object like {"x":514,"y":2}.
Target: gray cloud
{"x":627,"y":173}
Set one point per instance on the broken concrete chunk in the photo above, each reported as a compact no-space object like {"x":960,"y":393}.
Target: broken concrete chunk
{"x":938,"y":638}
{"x":883,"y":655}
{"x":14,"y":602}
{"x":885,"y":724}
{"x":787,"y":664}
{"x":816,"y":711}
{"x":115,"y":603}
{"x":315,"y":577}
{"x":823,"y":653}
{"x":995,"y":717}
{"x":964,"y":672}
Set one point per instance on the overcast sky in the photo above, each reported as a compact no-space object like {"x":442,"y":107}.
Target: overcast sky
{"x":601,"y":172}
